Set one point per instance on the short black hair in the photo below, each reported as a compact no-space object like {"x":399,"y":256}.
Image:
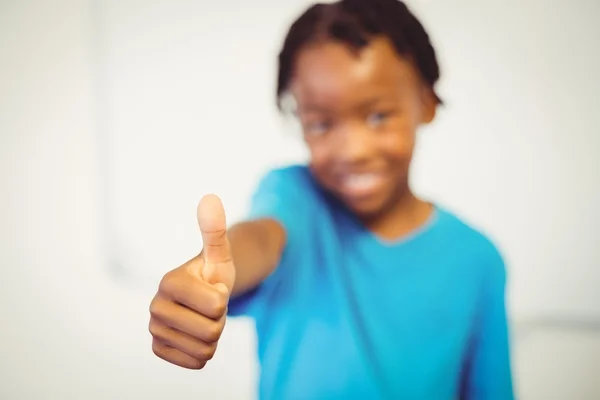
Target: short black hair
{"x":355,"y":22}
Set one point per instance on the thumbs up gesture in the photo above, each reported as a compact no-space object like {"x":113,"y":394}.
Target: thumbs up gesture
{"x":187,"y":314}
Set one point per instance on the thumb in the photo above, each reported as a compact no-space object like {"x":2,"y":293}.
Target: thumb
{"x":218,"y":260}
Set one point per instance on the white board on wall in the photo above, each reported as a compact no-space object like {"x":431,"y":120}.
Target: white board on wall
{"x":188,"y":108}
{"x":189,"y":104}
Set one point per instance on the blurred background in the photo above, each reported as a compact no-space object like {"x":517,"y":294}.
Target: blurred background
{"x":117,"y":116}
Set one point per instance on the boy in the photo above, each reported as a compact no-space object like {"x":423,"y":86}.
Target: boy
{"x":359,"y":289}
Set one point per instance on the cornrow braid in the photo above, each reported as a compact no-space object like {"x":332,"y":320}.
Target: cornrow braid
{"x":355,"y":22}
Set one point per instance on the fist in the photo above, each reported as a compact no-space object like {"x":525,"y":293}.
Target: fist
{"x":187,"y":314}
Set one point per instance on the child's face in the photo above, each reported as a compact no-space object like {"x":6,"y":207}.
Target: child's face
{"x":359,"y":113}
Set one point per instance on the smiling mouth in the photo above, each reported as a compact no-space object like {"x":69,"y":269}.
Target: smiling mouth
{"x":361,"y":185}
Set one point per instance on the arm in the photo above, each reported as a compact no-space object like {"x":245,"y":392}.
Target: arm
{"x":278,"y":222}
{"x":488,"y":370}
{"x":257,"y":247}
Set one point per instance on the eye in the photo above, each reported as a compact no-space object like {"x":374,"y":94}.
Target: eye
{"x":376,"y":119}
{"x":316,"y":128}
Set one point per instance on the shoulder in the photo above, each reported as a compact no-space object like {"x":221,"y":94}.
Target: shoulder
{"x":474,"y":243}
{"x":294,"y":182}
{"x":288,"y":175}
{"x":289,"y":193}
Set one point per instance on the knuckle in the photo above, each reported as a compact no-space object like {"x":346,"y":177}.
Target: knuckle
{"x":155,"y":329}
{"x":158,"y":308}
{"x":197,"y":364}
{"x":205,"y":353}
{"x":168,"y":283}
{"x":213,"y":332}
{"x":155,"y":306}
{"x":157,"y":349}
{"x":219,"y":233}
{"x":219,"y":304}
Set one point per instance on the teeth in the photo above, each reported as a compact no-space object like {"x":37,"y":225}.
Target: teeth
{"x":361,"y":181}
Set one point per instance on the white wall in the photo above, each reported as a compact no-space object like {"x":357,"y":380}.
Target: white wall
{"x":113,"y":115}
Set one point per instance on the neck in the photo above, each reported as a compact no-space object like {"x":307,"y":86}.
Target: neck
{"x":406,"y":214}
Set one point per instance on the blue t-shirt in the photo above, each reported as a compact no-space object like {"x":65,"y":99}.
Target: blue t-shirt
{"x":347,"y":315}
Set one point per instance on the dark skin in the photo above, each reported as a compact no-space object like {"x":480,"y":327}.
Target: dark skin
{"x":360,"y":112}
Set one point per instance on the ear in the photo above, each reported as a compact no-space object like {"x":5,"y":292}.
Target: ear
{"x":428,"y":105}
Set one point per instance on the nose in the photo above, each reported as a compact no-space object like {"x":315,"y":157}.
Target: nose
{"x":355,"y":144}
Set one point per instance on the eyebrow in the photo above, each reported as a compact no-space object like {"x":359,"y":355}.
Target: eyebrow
{"x":369,"y":102}
{"x":360,"y":106}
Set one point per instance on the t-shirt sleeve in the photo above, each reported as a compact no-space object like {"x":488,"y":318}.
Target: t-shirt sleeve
{"x":488,"y":373}
{"x":284,"y":195}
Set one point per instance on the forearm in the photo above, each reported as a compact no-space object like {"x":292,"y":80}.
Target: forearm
{"x":256,"y":247}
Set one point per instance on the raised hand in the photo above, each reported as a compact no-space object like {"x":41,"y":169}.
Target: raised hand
{"x":187,"y":314}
